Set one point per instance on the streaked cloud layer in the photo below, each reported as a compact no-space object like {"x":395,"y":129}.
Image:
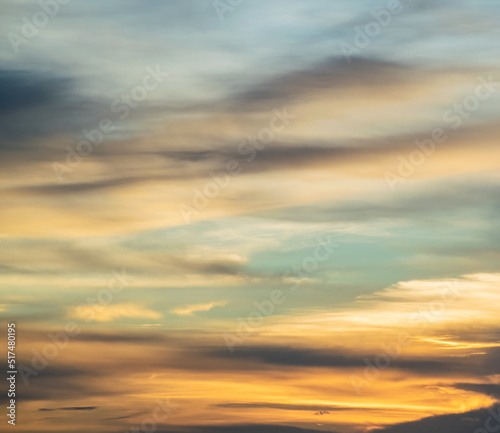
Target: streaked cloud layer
{"x":221,"y":208}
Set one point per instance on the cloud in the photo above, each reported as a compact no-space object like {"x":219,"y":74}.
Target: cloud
{"x":466,"y":422}
{"x":76,"y":408}
{"x":332,"y":74}
{"x":38,"y":105}
{"x":305,"y":407}
{"x":60,"y":382}
{"x":334,"y":158}
{"x":120,"y":338}
{"x":239,"y":428}
{"x":416,"y":205}
{"x":490,"y":389}
{"x":424,"y":306}
{"x":324,"y":172}
{"x":108,"y":313}
{"x":189,"y":310}
{"x":333,"y":358}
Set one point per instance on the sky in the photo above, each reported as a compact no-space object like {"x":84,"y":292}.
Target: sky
{"x":251,"y":216}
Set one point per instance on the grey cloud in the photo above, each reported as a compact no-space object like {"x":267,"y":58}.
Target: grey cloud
{"x":336,"y":358}
{"x":489,"y":389}
{"x":333,"y":73}
{"x":139,"y":338}
{"x":466,"y":422}
{"x":35,"y":104}
{"x":76,"y":408}
{"x":57,"y":383}
{"x":20,"y":90}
